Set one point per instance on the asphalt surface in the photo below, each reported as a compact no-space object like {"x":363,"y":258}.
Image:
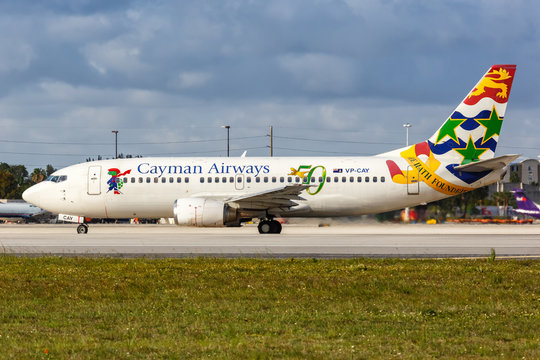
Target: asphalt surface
{"x":308,"y":240}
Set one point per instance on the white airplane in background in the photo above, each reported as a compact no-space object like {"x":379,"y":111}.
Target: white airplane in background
{"x":18,"y":209}
{"x":459,"y":157}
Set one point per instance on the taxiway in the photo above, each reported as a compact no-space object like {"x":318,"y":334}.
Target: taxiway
{"x":339,"y":241}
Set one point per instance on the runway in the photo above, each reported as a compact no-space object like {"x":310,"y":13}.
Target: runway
{"x":299,"y":241}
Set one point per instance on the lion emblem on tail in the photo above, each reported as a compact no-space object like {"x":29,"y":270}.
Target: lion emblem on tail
{"x":490,"y":82}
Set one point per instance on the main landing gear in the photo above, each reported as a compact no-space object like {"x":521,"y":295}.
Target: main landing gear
{"x":269,"y":227}
{"x":82,"y":229}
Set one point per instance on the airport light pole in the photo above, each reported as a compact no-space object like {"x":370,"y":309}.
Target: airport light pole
{"x":228,"y":127}
{"x":115,"y":143}
{"x":407,"y":126}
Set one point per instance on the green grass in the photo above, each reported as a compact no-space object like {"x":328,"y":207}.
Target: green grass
{"x":84,"y":308}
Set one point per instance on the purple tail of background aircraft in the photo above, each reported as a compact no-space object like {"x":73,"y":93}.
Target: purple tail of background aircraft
{"x":525,"y":205}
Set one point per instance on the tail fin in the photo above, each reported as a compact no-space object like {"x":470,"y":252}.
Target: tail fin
{"x":459,"y":157}
{"x":525,"y":204}
{"x":472,"y":131}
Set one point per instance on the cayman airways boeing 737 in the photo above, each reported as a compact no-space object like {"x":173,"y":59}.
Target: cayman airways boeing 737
{"x":459,"y":157}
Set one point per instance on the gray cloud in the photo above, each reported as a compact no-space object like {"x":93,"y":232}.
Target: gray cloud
{"x":340,"y":70}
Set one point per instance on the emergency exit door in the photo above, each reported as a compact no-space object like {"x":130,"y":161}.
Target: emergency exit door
{"x":94,"y":180}
{"x":413,"y":183}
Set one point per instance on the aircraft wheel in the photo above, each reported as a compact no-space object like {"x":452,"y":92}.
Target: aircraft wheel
{"x":275,"y":227}
{"x":82,"y":229}
{"x":265,"y":227}
{"x":269,"y":227}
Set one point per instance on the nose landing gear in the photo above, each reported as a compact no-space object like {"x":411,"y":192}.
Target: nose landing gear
{"x":269,"y":227}
{"x":82,"y":229}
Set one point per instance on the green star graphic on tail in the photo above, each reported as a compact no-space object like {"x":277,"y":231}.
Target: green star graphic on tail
{"x":449,"y":128}
{"x":492,"y":125}
{"x":470,"y":153}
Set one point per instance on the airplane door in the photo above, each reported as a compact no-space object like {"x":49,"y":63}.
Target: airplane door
{"x":413,"y":185}
{"x":94,"y":180}
{"x":239,"y":182}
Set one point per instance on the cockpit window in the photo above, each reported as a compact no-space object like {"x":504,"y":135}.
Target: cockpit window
{"x":57,"y":178}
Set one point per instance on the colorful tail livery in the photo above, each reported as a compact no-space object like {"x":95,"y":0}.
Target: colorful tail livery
{"x":472,"y":131}
{"x":461,"y":152}
{"x":525,"y":205}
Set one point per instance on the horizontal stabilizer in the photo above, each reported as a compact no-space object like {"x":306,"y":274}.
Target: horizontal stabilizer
{"x":490,"y":164}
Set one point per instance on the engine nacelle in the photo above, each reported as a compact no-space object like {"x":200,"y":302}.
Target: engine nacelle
{"x":203,"y":212}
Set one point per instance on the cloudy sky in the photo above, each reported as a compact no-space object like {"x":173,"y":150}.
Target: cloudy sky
{"x":333,"y":77}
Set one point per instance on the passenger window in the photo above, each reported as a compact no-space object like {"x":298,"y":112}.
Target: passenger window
{"x":289,"y":179}
{"x":320,"y":179}
{"x":132,"y":180}
{"x":248,"y":179}
{"x":297,"y":179}
{"x":274,"y":179}
{"x":216,"y":179}
{"x":374,"y":179}
{"x":163,"y":180}
{"x":179,"y":179}
{"x":367,"y":178}
{"x":202,"y":179}
{"x":312,"y":179}
{"x":224,"y":179}
{"x":171,"y":179}
{"x":343,"y":179}
{"x":156,"y":180}
{"x":148,"y":180}
{"x":336,"y":179}
{"x":305,"y":180}
{"x":186,"y":180}
{"x":140,"y":180}
{"x":351,"y":179}
{"x":239,"y":179}
{"x":281,"y":179}
{"x":328,"y":179}
{"x":266,"y":179}
{"x":382,"y":179}
{"x":359,"y":179}
{"x":257,"y":179}
{"x":231,"y":179}
{"x":209,"y":180}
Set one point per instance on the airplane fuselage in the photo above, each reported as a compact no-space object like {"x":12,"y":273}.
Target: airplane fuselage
{"x":338,"y":186}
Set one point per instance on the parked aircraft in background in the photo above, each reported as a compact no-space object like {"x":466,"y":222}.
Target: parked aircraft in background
{"x":459,"y":157}
{"x":19,"y":210}
{"x":525,"y":206}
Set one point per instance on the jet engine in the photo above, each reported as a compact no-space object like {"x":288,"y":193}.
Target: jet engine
{"x":203,"y":212}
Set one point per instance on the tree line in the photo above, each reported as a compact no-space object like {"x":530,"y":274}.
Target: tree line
{"x":15,"y":179}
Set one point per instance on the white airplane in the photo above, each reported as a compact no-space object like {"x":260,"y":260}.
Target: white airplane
{"x":18,"y":209}
{"x":219,"y":191}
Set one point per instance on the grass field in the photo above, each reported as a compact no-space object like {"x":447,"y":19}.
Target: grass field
{"x":84,"y":308}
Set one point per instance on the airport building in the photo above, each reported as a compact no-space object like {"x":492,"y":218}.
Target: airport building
{"x":523,"y":174}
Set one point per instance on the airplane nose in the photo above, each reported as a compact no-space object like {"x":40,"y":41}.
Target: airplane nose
{"x":32,"y":195}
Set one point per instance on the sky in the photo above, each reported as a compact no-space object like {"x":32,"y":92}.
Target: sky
{"x":332,"y":77}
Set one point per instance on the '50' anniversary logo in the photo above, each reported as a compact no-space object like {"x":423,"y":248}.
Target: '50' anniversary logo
{"x":309,"y":170}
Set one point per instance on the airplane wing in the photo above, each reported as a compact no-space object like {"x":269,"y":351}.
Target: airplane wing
{"x":489,"y":164}
{"x":281,"y":197}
